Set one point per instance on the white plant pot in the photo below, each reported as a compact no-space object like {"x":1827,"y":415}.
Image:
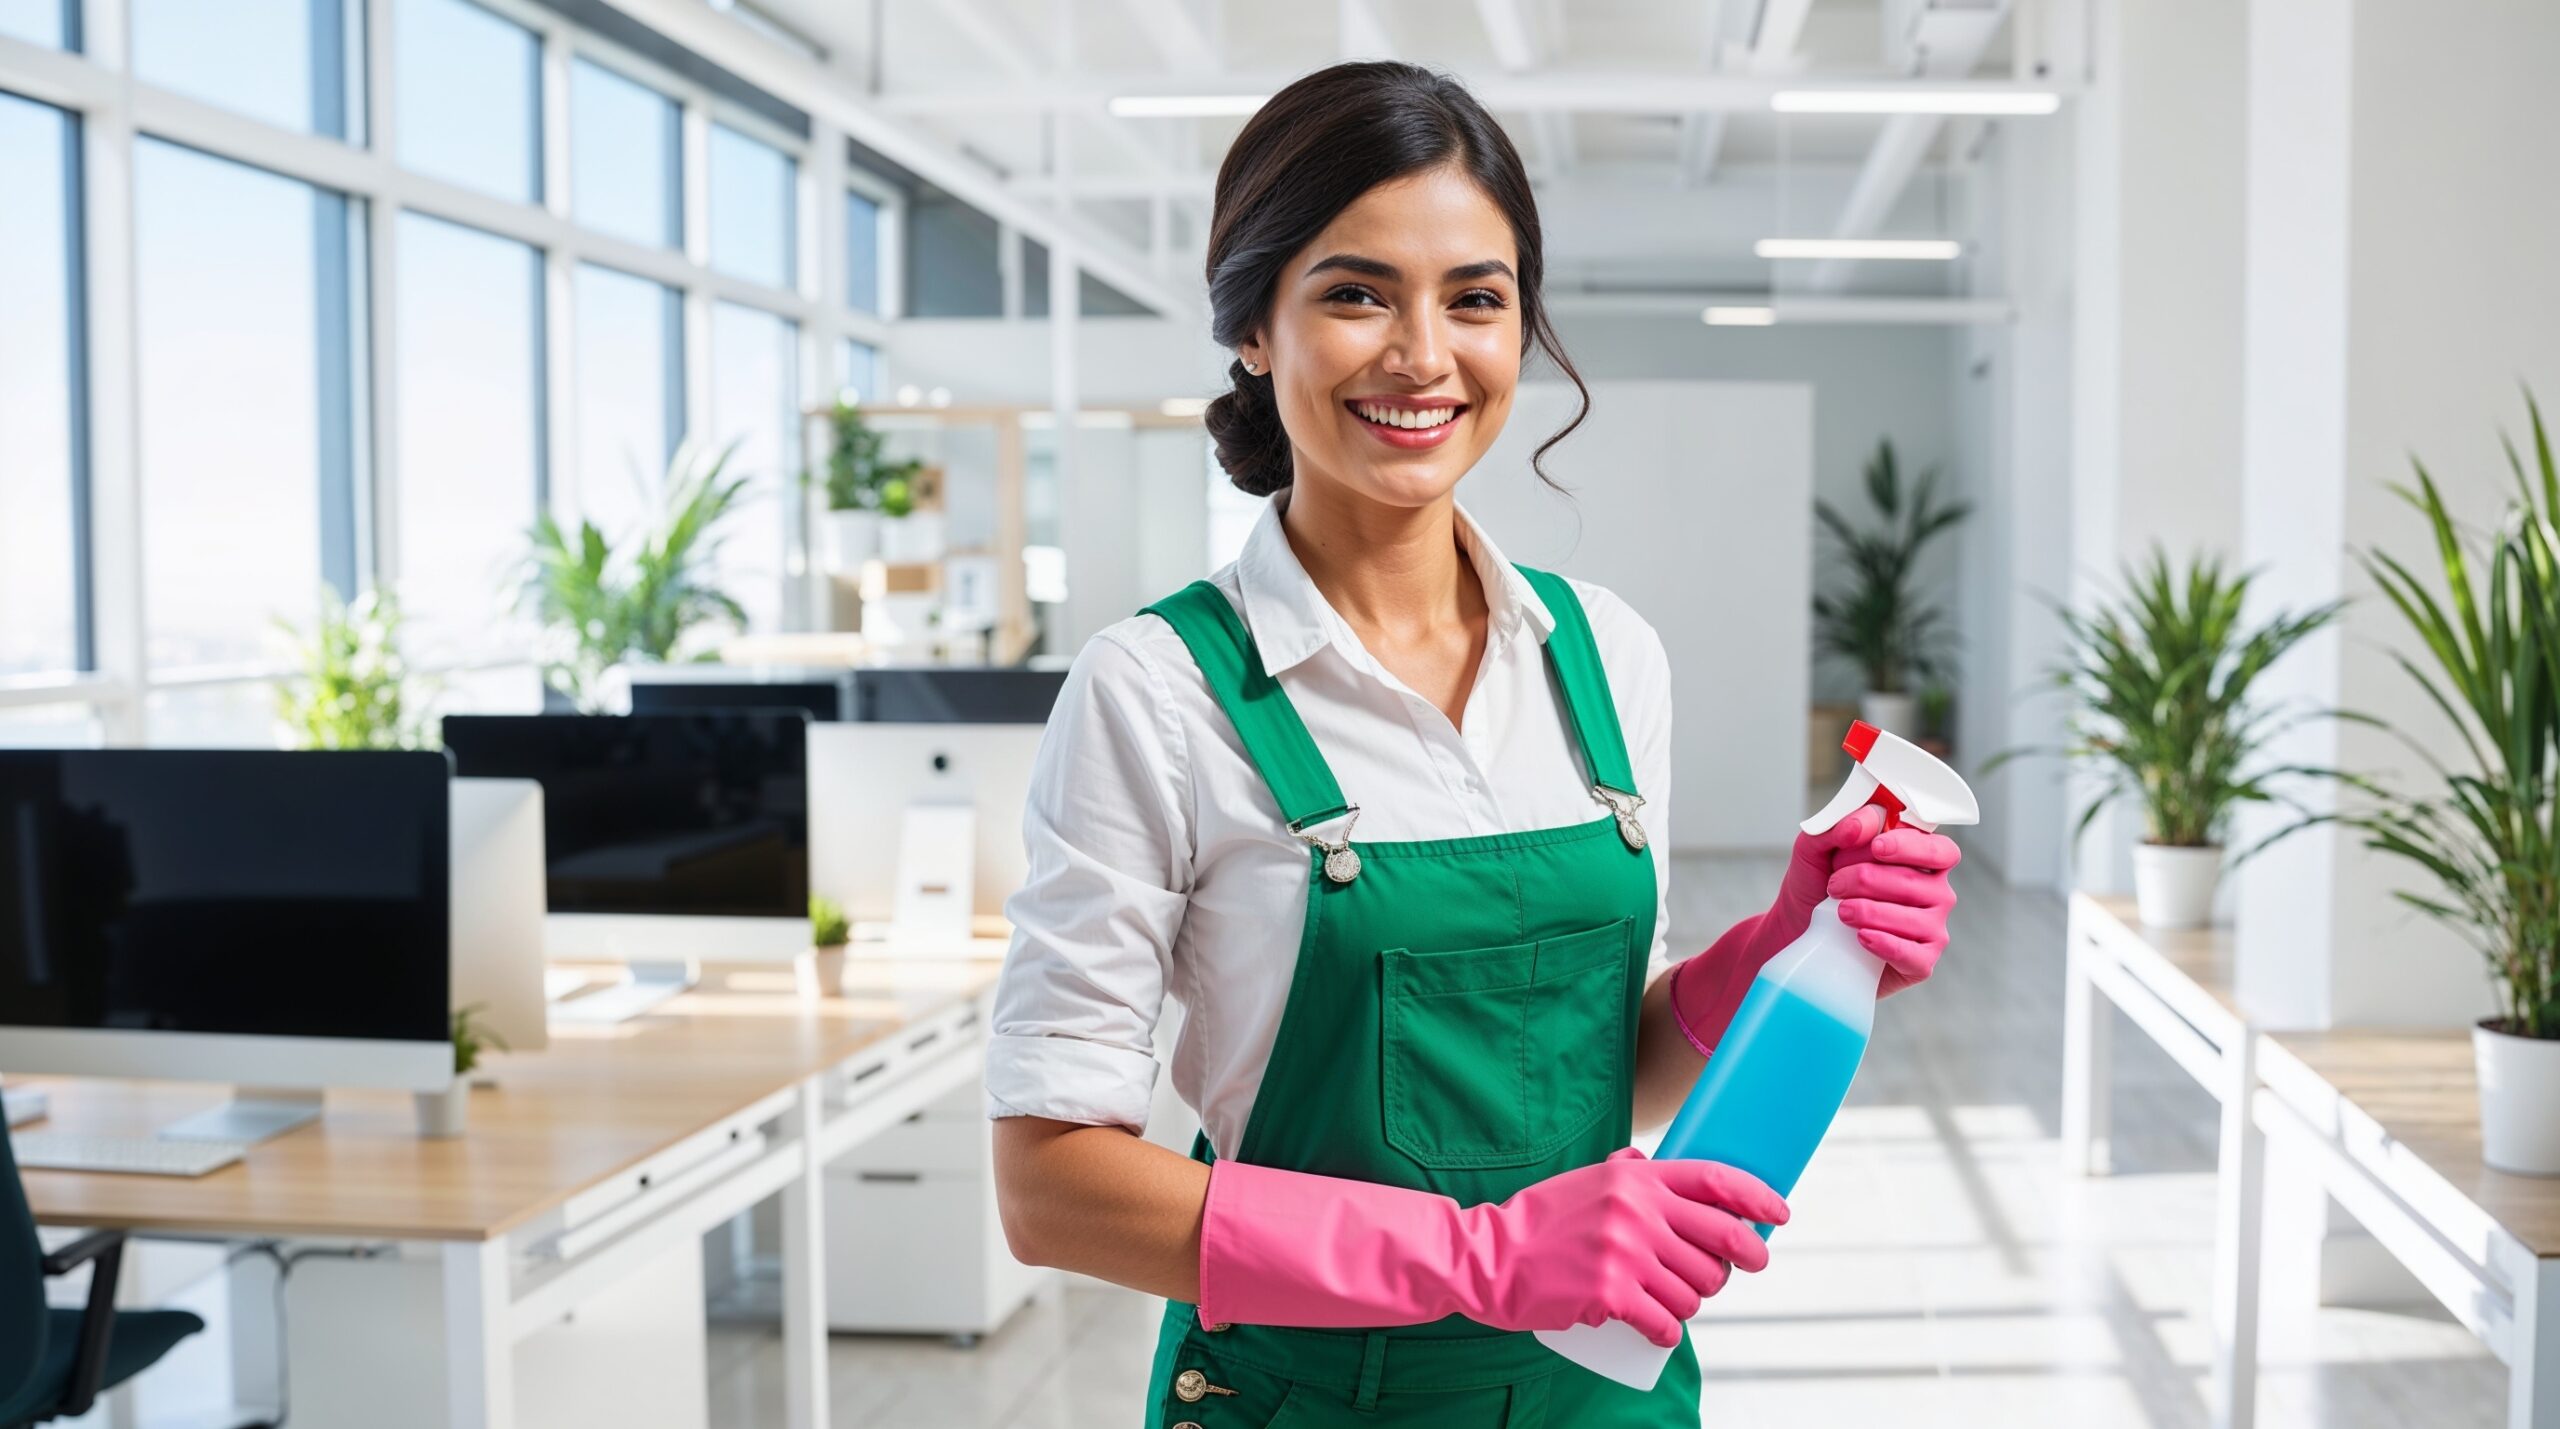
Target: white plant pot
{"x":852,"y":538}
{"x":1894,"y":714}
{"x":445,"y":1113}
{"x":2519,"y":1101}
{"x":916,"y":536}
{"x":2173,"y":887}
{"x":826,"y":966}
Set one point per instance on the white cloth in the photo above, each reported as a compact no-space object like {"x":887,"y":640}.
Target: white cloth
{"x":1158,"y":864}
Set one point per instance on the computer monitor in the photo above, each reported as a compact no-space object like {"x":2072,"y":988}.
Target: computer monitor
{"x":954,"y":694}
{"x":863,"y":777}
{"x":827,"y":695}
{"x":498,"y":907}
{"x":668,"y":838}
{"x":273,"y":920}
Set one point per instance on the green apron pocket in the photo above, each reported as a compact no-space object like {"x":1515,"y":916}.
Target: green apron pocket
{"x":1472,"y":1039}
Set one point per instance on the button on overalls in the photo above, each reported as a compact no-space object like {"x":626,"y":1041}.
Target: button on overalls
{"x":1462,"y":1020}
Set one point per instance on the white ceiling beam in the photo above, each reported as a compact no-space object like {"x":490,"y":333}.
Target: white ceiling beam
{"x":1587,"y":91}
{"x":1363,"y":31}
{"x":1176,"y":33}
{"x":1002,"y":44}
{"x":826,"y":96}
{"x":1512,"y":31}
{"x":1946,"y":44}
{"x":1772,"y":51}
{"x":1785,"y":309}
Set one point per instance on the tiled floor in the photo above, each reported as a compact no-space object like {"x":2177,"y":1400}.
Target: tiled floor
{"x":1939,"y":1270}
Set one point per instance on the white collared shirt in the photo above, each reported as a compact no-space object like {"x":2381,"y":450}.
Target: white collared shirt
{"x":1158,"y":864}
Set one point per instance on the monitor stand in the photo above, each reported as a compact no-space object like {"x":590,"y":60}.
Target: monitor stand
{"x":252,"y":1115}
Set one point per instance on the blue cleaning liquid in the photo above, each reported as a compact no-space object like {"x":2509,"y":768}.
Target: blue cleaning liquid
{"x":1769,"y":1093}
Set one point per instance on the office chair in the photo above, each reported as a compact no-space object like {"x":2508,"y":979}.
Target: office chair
{"x":54,"y":1363}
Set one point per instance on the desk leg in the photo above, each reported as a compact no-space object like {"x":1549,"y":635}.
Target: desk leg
{"x":480,"y":1370}
{"x":2238,"y":1213}
{"x":2533,"y":1360}
{"x":804,"y":1274}
{"x":2086,"y":1059}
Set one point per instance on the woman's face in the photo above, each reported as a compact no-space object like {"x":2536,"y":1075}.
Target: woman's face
{"x":1393,"y":341}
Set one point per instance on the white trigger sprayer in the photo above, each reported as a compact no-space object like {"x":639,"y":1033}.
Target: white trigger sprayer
{"x":1783,"y":1068}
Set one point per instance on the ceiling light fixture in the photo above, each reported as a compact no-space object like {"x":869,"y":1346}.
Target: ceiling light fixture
{"x":1937,"y":250}
{"x":1741,"y":317}
{"x":1185,"y":106}
{"x":1915,"y":101}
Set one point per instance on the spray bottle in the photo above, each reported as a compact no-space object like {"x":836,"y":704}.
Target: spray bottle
{"x":1783,"y":1068}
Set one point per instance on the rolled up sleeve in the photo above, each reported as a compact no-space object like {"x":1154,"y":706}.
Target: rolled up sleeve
{"x":1107,"y":838}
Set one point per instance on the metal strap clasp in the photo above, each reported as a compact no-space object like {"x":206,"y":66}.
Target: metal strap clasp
{"x":1624,"y":806}
{"x":1341,"y":860}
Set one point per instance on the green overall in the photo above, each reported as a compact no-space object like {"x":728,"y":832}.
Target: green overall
{"x":1462,"y":1020}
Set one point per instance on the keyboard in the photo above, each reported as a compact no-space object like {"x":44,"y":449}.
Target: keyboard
{"x":139,"y":1155}
{"x":614,"y":1004}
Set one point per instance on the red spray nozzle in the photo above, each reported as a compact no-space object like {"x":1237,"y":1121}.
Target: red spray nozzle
{"x":1862,"y":737}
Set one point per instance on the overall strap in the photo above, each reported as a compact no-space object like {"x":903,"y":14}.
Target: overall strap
{"x":1576,"y":660}
{"x":1274,"y":737}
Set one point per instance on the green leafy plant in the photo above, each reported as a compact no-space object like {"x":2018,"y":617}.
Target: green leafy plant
{"x":859,"y":478}
{"x":355,"y":691}
{"x":1878,"y":621}
{"x":601,"y":607}
{"x":2491,"y":838}
{"x":828,"y":927}
{"x":472,"y":1037}
{"x":2159,"y":681}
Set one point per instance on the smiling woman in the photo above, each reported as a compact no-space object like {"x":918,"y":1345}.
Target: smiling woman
{"x":1375,"y":263}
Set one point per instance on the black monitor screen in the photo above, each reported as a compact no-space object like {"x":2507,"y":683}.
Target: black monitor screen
{"x":703,"y":814}
{"x":955,"y":694}
{"x":246,"y":892}
{"x":822,"y":699}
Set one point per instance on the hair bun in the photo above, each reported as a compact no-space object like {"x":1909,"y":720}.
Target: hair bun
{"x":1253,"y":447}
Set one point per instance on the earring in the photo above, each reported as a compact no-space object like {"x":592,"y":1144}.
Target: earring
{"x":1250,"y":369}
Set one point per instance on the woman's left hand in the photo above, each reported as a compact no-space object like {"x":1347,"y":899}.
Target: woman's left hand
{"x":1894,"y":895}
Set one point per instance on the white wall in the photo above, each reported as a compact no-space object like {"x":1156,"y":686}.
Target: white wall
{"x":1867,"y":383}
{"x":1692,"y":502}
{"x":2012,"y":440}
{"x":2401,"y":285}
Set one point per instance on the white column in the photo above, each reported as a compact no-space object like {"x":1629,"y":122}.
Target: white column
{"x":2400,"y":285}
{"x":2156,"y":351}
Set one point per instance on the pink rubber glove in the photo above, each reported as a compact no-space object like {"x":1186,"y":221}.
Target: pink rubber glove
{"x":1893,"y":892}
{"x":1625,"y":1239}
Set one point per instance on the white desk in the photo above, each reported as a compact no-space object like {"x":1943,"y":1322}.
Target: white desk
{"x":589,"y":1163}
{"x":2176,"y":988}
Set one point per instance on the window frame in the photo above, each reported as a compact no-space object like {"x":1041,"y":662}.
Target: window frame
{"x":111,"y":112}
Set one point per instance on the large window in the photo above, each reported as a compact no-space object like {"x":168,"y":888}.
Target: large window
{"x":470,"y":97}
{"x":471,"y":438}
{"x":282,"y":61}
{"x":247,"y":373}
{"x":861,"y":253}
{"x":860,"y":364}
{"x":751,"y":208}
{"x":626,"y":174}
{"x":40,"y":574}
{"x":38,"y":22}
{"x":755,"y":402}
{"x":630,"y":384}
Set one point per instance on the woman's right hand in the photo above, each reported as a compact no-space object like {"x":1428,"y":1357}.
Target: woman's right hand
{"x":1628,"y":1239}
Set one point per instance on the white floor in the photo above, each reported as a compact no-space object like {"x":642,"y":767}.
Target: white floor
{"x":1940,"y":1271}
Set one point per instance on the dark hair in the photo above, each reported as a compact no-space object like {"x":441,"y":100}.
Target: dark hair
{"x":1303,"y":158}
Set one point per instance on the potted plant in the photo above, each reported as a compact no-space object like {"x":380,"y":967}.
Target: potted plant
{"x":871,"y":499}
{"x":1877,"y":620}
{"x":2159,"y":682}
{"x":829,"y":932}
{"x":599,"y":607}
{"x":355,"y":692}
{"x":2489,"y":837}
{"x":444,"y":1113}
